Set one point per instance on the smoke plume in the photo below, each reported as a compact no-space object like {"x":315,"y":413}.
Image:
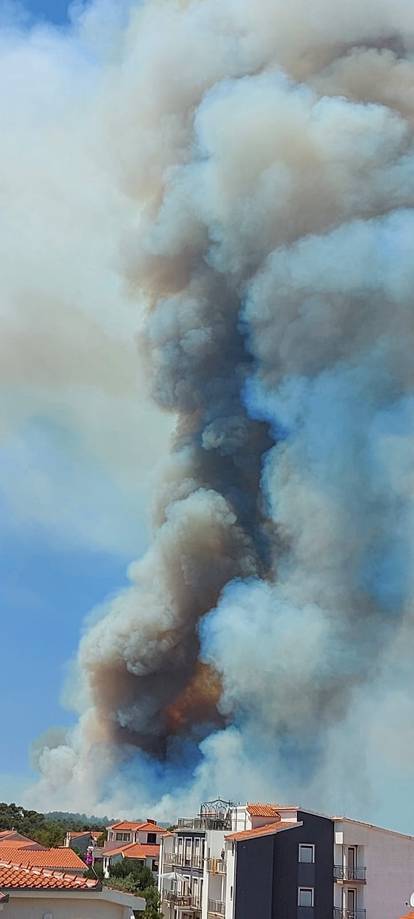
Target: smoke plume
{"x":265,"y":157}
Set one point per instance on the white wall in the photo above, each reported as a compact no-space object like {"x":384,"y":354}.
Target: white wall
{"x":240,"y":819}
{"x":389,"y":861}
{"x":37,"y":907}
{"x":142,"y":836}
{"x":230,"y":879}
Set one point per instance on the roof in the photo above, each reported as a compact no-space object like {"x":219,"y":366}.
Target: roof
{"x":15,"y":878}
{"x":263,"y":810}
{"x":149,"y":826}
{"x":60,"y":857}
{"x":134,"y":850}
{"x":12,"y":838}
{"x":266,"y":830}
{"x":371,"y":826}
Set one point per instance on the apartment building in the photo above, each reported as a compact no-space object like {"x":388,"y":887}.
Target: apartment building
{"x":283,"y":862}
{"x":192,"y":864}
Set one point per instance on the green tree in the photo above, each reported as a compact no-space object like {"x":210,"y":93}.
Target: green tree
{"x":95,"y":872}
{"x":131,"y":867}
{"x":152,"y":904}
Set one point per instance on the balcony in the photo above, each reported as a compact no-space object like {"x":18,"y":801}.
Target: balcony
{"x":216,"y":865}
{"x":184,"y":861}
{"x":205,"y":822}
{"x":350,"y":873}
{"x":342,"y":913}
{"x":216,"y":908}
{"x":182,"y":900}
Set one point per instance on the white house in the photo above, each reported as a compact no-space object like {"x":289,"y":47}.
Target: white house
{"x":140,"y":842}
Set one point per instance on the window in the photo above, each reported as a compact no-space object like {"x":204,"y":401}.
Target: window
{"x":307,"y":853}
{"x":305,"y":896}
{"x":152,"y":838}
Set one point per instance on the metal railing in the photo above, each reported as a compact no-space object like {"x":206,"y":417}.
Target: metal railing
{"x":350,"y":873}
{"x":205,"y":822}
{"x":182,"y":899}
{"x":342,"y":913}
{"x":216,"y":907}
{"x":185,"y":861}
{"x":216,"y":865}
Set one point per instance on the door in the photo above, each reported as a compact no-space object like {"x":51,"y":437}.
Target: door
{"x":351,"y":905}
{"x":197,"y":859}
{"x":187,"y":851}
{"x":351,"y":862}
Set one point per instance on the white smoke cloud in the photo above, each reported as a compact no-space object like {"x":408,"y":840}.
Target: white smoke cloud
{"x":255,"y":166}
{"x":71,"y":385}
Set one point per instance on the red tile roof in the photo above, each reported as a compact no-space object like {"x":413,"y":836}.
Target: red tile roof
{"x":134,"y":850}
{"x":60,"y":857}
{"x":12,"y":838}
{"x":147,"y":827}
{"x":266,"y":830}
{"x":141,"y":850}
{"x":263,"y":810}
{"x":14,"y":878}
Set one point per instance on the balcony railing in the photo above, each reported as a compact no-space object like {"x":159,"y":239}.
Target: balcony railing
{"x":185,"y":900}
{"x":216,"y":865}
{"x":184,"y":860}
{"x":350,"y":873}
{"x":205,"y":822}
{"x":216,"y":908}
{"x":340,"y":913}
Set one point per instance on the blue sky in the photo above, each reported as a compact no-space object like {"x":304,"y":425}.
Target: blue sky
{"x":73,"y":461}
{"x":42,"y":595}
{"x":53,"y":10}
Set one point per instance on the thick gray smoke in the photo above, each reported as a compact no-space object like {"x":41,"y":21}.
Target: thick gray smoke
{"x":265,"y":152}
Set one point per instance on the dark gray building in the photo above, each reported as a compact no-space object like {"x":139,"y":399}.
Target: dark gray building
{"x":285,"y":872}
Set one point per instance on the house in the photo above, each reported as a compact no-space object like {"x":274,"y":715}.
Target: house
{"x":148,"y":856}
{"x":141,"y":843}
{"x":59,"y":858}
{"x":283,"y":862}
{"x":82,"y":840}
{"x":37,"y":892}
{"x":127,"y":831}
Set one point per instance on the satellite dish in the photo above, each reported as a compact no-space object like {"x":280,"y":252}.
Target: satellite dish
{"x":412,"y":900}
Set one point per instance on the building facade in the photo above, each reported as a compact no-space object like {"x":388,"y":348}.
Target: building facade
{"x":127,"y":840}
{"x":192,"y":864}
{"x":277,"y":862}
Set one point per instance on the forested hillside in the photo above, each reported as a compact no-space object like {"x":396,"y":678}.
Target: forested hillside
{"x":47,"y":829}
